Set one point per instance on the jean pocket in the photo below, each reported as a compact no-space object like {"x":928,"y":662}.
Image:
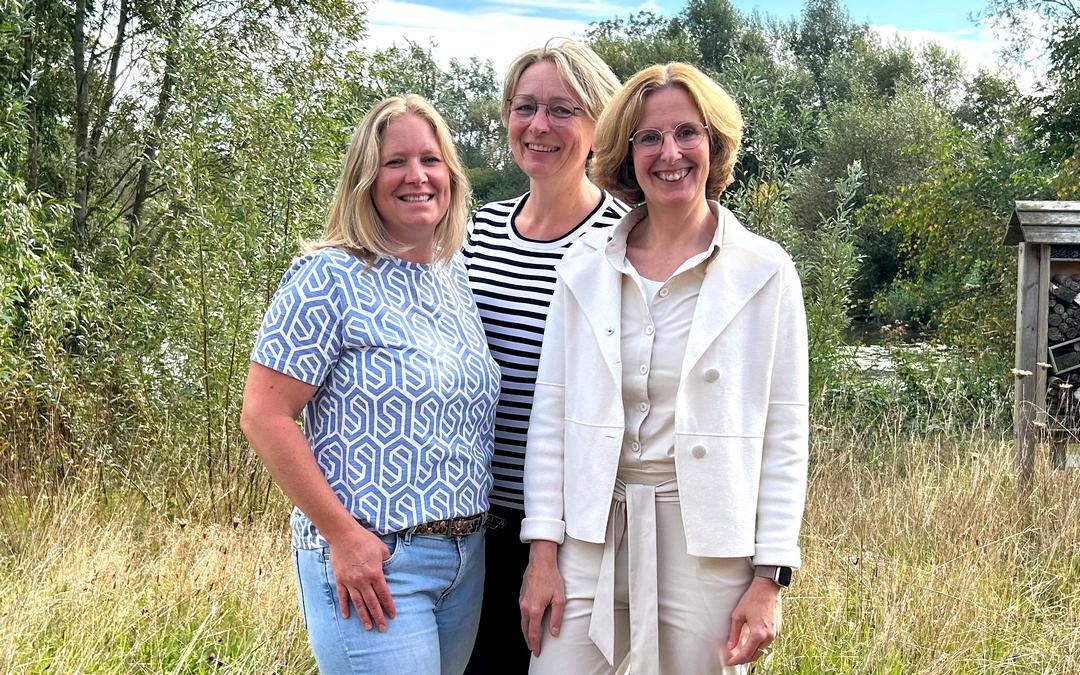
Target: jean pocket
{"x":394,"y":544}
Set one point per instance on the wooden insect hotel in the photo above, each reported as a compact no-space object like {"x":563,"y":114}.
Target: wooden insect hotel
{"x":1047,"y":371}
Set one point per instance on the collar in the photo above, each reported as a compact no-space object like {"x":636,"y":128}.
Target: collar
{"x":615,"y":251}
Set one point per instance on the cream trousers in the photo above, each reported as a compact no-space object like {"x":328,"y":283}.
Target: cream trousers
{"x":640,"y":599}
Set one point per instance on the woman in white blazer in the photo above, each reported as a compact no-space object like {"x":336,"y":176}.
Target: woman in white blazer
{"x":665,"y":474}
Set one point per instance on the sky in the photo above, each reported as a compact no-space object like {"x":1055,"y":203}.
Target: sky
{"x":498,"y":30}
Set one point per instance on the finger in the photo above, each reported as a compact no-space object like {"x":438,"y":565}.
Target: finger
{"x":386,"y":601}
{"x":743,"y":647}
{"x":556,"y":617}
{"x":360,"y":607}
{"x":343,"y":600}
{"x":374,"y":607}
{"x":532,"y":635}
{"x":737,"y":623}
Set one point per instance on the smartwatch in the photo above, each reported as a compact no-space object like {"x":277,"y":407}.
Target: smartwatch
{"x":781,"y":575}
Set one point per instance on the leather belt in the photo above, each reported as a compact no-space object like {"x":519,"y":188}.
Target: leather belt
{"x":450,"y":527}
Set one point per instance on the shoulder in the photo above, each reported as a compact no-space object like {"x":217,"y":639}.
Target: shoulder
{"x":497,"y":211}
{"x":589,"y":243}
{"x":615,"y":206}
{"x":763,"y":248}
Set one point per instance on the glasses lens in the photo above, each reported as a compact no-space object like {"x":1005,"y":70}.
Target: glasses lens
{"x":560,"y":108}
{"x":689,"y":134}
{"x":523,"y":106}
{"x":648,"y":139}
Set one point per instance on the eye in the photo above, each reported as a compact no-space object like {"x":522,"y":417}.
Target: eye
{"x":432,"y":159}
{"x":648,"y":137}
{"x":560,"y":108}
{"x":687,"y":132}
{"x":523,"y":107}
{"x":395,"y":162}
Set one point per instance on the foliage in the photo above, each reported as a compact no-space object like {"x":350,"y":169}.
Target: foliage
{"x":640,"y":40}
{"x":159,"y":163}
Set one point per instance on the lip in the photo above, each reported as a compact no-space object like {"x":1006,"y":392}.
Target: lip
{"x":542,"y":148}
{"x":672,"y":175}
{"x":416,"y":198}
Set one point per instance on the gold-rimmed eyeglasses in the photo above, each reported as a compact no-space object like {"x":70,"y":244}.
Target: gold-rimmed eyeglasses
{"x":687,"y":135}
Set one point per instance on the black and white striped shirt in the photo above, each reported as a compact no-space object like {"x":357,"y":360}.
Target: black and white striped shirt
{"x":513,"y":279}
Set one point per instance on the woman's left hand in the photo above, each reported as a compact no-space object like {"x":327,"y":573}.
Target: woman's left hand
{"x":754,"y":623}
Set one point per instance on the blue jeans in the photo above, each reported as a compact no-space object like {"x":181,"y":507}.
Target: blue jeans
{"x":437,"y":584}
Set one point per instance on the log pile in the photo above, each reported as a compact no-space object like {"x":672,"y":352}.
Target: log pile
{"x":1063,"y":318}
{"x":1063,"y":399}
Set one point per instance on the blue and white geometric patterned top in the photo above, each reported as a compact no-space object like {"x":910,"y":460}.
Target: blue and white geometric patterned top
{"x":402,"y":424}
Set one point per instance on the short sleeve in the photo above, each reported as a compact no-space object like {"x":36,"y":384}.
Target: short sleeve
{"x":300,"y":335}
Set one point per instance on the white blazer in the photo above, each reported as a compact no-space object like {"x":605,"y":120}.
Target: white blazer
{"x":741,"y":411}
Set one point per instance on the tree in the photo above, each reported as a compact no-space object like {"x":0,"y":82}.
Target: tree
{"x":642,"y":39}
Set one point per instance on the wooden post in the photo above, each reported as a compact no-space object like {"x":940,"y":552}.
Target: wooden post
{"x":1027,"y":337}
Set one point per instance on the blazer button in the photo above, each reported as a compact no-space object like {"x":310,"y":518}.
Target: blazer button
{"x":712,"y":375}
{"x":699,"y":451}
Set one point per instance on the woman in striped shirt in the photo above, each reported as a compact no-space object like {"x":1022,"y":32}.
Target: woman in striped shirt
{"x":552,"y":98}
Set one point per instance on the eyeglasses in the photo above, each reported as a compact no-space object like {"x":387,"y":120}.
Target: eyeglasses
{"x":687,"y":135}
{"x":559,"y":110}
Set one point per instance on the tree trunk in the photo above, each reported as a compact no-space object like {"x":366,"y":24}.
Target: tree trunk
{"x":108,"y":93}
{"x":32,"y":148}
{"x":82,"y":123}
{"x":153,"y":139}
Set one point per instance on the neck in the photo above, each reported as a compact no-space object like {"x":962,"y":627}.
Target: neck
{"x":419,"y":248}
{"x":679,"y":226}
{"x":556,"y":205}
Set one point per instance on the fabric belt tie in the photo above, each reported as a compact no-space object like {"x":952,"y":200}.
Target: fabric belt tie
{"x":633,"y":515}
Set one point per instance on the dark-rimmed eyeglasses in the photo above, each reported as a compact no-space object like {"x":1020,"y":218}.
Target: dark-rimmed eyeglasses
{"x":559,"y":110}
{"x":687,"y":135}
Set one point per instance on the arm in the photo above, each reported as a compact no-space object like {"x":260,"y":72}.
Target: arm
{"x":782,"y":491}
{"x":272,"y":402}
{"x":543,"y":525}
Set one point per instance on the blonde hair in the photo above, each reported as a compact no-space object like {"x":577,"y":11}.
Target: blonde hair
{"x":354,"y":224}
{"x":583,"y":71}
{"x":613,"y":166}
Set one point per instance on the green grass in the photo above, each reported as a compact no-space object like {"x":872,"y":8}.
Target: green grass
{"x":927,"y":559}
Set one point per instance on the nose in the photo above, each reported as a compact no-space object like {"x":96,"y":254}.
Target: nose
{"x":669,"y":149}
{"x":540,"y":124}
{"x":416,"y":173}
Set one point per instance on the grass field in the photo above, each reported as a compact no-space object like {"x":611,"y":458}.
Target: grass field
{"x":920,"y":556}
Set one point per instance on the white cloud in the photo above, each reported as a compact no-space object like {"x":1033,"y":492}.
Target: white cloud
{"x":978,"y":48}
{"x":497,"y":33}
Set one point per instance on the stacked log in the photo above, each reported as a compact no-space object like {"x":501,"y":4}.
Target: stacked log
{"x":1063,"y":400}
{"x":1063,"y":318}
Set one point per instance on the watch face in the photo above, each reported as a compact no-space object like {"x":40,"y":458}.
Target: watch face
{"x":783,"y":576}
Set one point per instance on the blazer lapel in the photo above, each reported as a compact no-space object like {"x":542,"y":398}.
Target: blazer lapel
{"x":597,"y":288}
{"x":733,"y":277}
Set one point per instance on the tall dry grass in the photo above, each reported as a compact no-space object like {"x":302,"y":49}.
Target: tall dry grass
{"x":126,"y":591}
{"x":920,"y":556}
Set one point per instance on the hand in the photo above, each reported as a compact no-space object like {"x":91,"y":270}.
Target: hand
{"x":357,"y":564}
{"x":541,"y":588}
{"x":755,"y":622}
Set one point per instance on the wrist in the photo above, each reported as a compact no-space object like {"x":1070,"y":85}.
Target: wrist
{"x":543,"y":552}
{"x":779,"y":575}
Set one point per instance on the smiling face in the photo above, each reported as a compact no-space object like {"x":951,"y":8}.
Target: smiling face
{"x":412,"y":188}
{"x":542,"y":145}
{"x":674,"y":176}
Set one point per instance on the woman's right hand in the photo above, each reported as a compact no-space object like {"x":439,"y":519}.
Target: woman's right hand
{"x":357,"y":561}
{"x":541,"y":588}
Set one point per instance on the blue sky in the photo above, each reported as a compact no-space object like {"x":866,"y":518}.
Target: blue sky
{"x":927,"y":15}
{"x":498,"y":30}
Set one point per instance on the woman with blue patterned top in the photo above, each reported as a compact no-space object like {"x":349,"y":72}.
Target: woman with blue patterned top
{"x":374,"y":336}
